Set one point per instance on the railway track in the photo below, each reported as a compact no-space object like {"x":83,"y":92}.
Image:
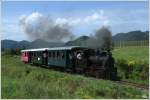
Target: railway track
{"x":127,"y":83}
{"x":121,"y":82}
{"x":136,"y":85}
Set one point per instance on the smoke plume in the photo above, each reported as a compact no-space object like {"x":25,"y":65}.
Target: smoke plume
{"x":102,"y":39}
{"x":37,"y":26}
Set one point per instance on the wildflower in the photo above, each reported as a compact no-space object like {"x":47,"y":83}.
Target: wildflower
{"x":131,"y":63}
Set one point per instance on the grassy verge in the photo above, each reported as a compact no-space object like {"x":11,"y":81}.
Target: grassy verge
{"x":21,"y":80}
{"x":133,"y":63}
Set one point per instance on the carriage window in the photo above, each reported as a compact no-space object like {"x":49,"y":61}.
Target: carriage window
{"x":58,"y":54}
{"x":49,"y":54}
{"x":53,"y":54}
{"x":34,"y":54}
{"x":38,"y":53}
{"x":31,"y":53}
{"x":24,"y":54}
{"x":62,"y":55}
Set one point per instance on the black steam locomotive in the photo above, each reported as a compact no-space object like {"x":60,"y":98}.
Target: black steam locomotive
{"x":76,"y":59}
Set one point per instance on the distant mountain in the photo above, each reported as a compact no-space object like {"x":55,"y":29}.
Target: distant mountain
{"x":23,"y":44}
{"x":132,"y":36}
{"x":79,"y":41}
{"x":44,"y":44}
{"x":11,"y":44}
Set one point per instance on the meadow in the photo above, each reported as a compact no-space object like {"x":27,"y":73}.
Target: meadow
{"x":19,"y":80}
{"x":136,"y":53}
{"x":133,"y":63}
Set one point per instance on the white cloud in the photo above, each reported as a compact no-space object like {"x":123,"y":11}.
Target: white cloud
{"x":12,"y":31}
{"x":94,"y":17}
{"x":61,"y":21}
{"x":39,"y":26}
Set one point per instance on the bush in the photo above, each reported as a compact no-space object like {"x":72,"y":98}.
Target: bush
{"x":132,"y":69}
{"x":124,"y":67}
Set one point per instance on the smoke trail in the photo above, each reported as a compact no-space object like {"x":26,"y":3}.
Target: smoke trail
{"x":102,"y":39}
{"x":37,"y":26}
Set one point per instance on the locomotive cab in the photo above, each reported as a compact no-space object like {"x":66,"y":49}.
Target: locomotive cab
{"x":99,"y":64}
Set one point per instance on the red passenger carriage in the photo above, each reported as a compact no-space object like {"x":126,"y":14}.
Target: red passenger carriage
{"x":25,"y":57}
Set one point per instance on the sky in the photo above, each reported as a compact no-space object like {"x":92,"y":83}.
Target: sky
{"x":82,"y":18}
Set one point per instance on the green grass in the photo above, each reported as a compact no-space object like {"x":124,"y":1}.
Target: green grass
{"x":21,"y":80}
{"x":135,"y":58}
{"x":132,"y":53}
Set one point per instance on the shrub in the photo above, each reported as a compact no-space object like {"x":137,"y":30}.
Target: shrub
{"x":136,"y":70}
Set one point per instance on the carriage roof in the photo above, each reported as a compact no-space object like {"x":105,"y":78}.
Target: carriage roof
{"x":54,"y":48}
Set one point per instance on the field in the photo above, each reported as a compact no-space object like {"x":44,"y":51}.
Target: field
{"x":139,"y":53}
{"x":133,"y":62}
{"x":20,"y":80}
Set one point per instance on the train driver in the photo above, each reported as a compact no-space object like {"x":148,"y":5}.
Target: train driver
{"x":79,"y":56}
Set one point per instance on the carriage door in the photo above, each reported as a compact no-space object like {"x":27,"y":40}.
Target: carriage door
{"x":45,"y":57}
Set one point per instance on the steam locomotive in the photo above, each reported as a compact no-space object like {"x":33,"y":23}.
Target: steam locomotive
{"x":76,"y":59}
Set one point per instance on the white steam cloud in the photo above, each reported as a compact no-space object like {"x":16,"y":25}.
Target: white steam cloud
{"x":37,"y":26}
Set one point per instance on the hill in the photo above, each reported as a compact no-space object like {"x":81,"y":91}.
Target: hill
{"x":44,"y":44}
{"x":132,"y":36}
{"x":82,"y":40}
{"x":78,"y":41}
{"x":11,"y":44}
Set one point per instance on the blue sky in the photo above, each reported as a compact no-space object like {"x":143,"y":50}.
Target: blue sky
{"x":84,"y":18}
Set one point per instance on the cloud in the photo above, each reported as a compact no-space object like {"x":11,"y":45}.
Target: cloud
{"x":11,"y":30}
{"x":39,"y":26}
{"x":94,"y":17}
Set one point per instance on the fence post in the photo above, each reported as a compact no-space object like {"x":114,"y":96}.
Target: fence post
{"x":121,"y":44}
